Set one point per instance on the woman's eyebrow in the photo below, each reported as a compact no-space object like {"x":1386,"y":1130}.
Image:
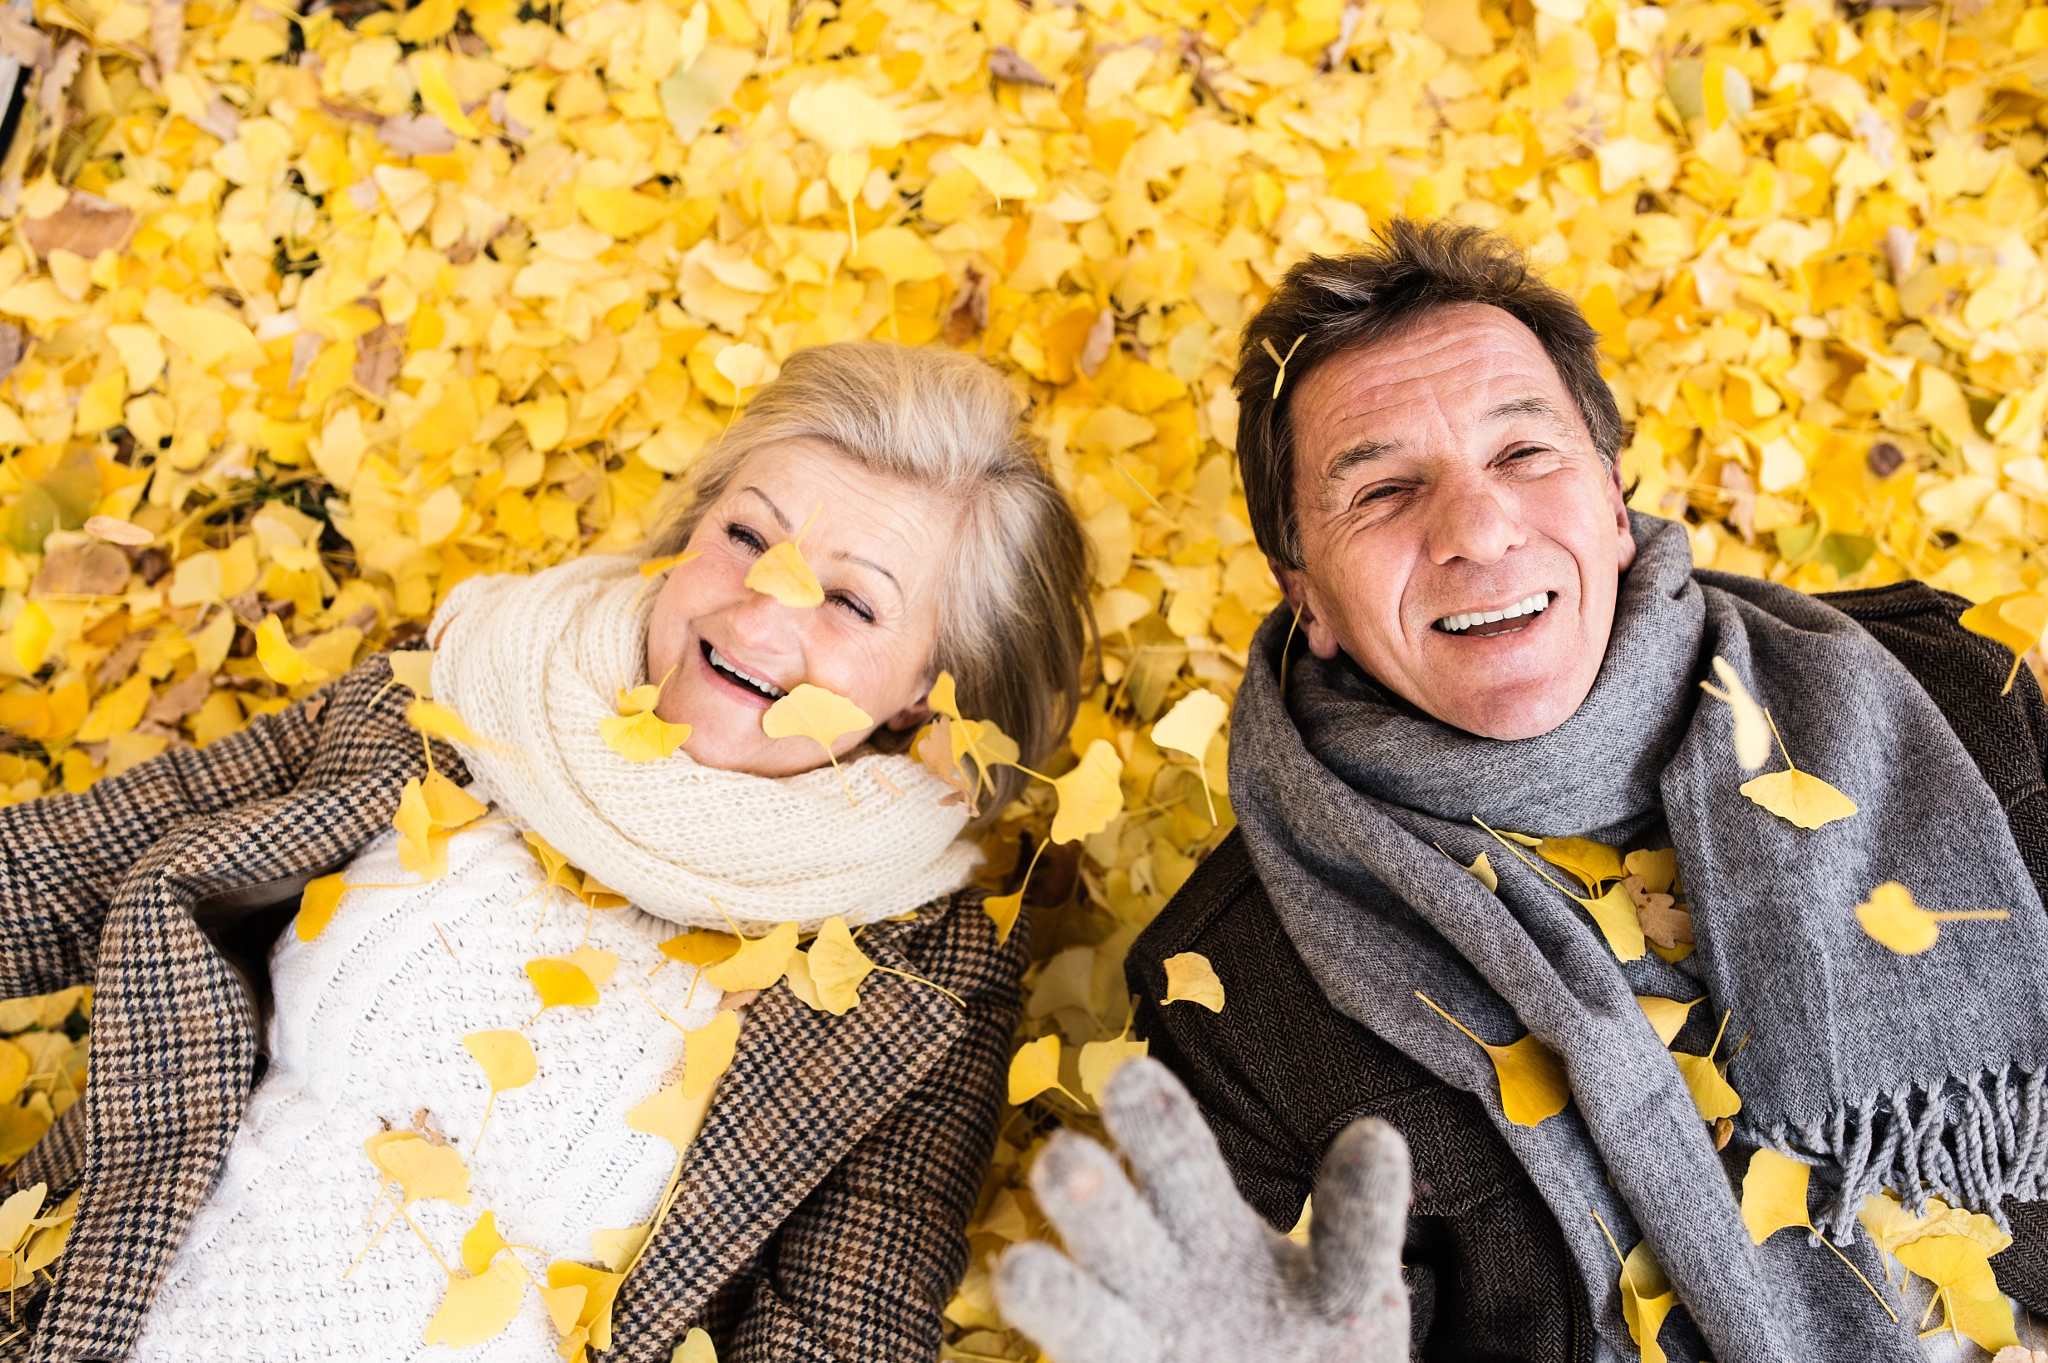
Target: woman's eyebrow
{"x":845,"y":557}
{"x":773,"y":509}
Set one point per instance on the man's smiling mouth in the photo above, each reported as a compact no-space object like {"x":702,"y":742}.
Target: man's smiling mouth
{"x":720,"y":664}
{"x":1506,"y":620}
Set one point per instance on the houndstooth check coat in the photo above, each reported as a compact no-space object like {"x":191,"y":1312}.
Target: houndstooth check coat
{"x":822,"y":1209}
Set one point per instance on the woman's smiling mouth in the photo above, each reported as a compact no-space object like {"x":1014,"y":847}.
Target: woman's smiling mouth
{"x":754,"y":688}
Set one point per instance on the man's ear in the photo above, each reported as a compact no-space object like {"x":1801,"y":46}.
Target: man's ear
{"x":1294,"y":588}
{"x":1625,"y":547}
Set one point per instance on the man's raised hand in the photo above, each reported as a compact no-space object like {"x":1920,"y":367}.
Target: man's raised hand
{"x":1186,"y":1269}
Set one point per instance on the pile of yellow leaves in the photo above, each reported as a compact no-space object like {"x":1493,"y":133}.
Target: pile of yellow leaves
{"x":308,"y":318}
{"x":42,"y":1065}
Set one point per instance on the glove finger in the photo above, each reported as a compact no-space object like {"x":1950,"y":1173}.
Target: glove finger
{"x":1161,"y":1131}
{"x":1361,"y":1221}
{"x":1067,"y":1313}
{"x":1105,"y":1225}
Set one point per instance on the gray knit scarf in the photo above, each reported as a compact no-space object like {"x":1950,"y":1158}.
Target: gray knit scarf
{"x":1918,"y":1073}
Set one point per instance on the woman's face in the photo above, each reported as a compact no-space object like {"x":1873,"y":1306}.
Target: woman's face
{"x":878,"y":546}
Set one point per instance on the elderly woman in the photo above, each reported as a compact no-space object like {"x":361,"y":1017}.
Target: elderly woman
{"x":583,"y":1198}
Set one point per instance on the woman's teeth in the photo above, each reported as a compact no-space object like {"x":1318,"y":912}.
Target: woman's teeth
{"x":1528,"y":605}
{"x":747,"y":679}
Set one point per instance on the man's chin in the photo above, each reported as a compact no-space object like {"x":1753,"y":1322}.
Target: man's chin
{"x":1490,"y":709}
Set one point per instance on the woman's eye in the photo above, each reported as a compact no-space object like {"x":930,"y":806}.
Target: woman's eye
{"x":852,"y":605}
{"x":745,"y":538}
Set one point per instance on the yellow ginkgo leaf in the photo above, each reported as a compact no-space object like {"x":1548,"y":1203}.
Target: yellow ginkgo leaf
{"x":478,"y":1308}
{"x":597,"y":966}
{"x":817,"y":714}
{"x":449,"y":805}
{"x":986,"y":743}
{"x":700,"y":948}
{"x":1752,"y":731}
{"x":1659,"y":869}
{"x":1711,"y":1092}
{"x":436,"y":720}
{"x":1101,"y":1059}
{"x":1592,"y":862}
{"x":599,"y":895}
{"x":785,"y":574}
{"x":1799,"y":798}
{"x":557,"y":867}
{"x":798,"y":975}
{"x":708,"y":1053}
{"x":1893,"y":920}
{"x":744,"y":365}
{"x":1035,"y":1068}
{"x":837,"y":966}
{"x":317,"y":904}
{"x":644,"y":737}
{"x":508,"y":1063}
{"x":2015,"y":620}
{"x":669,"y":1115}
{"x":655,"y":567}
{"x":601,"y":1287}
{"x":422,"y":847}
{"x":14,"y":1068}
{"x":18,"y":1214}
{"x":430,"y":68}
{"x":615,"y":1249}
{"x":1667,"y":1016}
{"x":1774,"y":1195}
{"x":561,"y":984}
{"x":1090,"y":794}
{"x":564,"y":1305}
{"x":1959,"y":1266}
{"x":1482,"y":871}
{"x":284,"y":664}
{"x":421,"y":1168}
{"x":413,"y":668}
{"x":1188,"y":727}
{"x":1533,"y":1084}
{"x":758,"y":963}
{"x":1615,"y":915}
{"x":1191,"y":979}
{"x":1647,"y":1297}
{"x":481,"y":1243}
{"x":839,"y":115}
{"x":1002,"y":910}
{"x":696,"y":1347}
{"x":990,"y":164}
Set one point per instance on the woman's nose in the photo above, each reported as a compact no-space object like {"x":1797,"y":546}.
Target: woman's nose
{"x":761,"y":622}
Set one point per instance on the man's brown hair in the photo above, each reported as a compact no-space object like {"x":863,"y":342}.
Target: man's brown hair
{"x":1328,"y":305}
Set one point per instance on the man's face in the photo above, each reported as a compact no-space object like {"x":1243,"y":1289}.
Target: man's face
{"x":1441,"y":477}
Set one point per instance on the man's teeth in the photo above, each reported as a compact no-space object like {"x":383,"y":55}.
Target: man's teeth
{"x":1528,"y":605}
{"x":765,"y":687}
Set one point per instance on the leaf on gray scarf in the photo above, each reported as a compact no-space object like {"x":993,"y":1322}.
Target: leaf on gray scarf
{"x":1799,"y":798}
{"x":1662,"y":922}
{"x":1533,"y":1086}
{"x":1752,"y":730}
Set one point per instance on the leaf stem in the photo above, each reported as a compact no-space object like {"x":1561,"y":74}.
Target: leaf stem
{"x":1609,"y":1234}
{"x":1287,"y":644}
{"x":1783,"y":751}
{"x":425,"y":1241}
{"x":375,"y":1238}
{"x":1969,"y":915}
{"x":1861,"y":1279}
{"x":891,"y":970}
{"x":1525,"y":861}
{"x":1448,"y":1018}
{"x":1719,"y":1032}
{"x":485,"y":1124}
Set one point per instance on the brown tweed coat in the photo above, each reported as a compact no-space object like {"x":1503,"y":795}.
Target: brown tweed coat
{"x":823,"y":1206}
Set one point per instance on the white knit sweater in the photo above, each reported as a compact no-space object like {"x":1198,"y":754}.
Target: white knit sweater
{"x":369,"y":1026}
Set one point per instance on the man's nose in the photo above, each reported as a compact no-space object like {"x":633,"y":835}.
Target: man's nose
{"x":1470,"y":519}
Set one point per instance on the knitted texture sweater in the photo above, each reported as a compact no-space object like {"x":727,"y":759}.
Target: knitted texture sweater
{"x":368,"y":1031}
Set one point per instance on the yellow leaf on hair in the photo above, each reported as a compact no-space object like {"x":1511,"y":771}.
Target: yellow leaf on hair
{"x":317,"y":903}
{"x":561,"y":984}
{"x":837,"y":966}
{"x":1090,"y":794}
{"x":479,"y":1308}
{"x":1533,"y":1084}
{"x":1035,"y":1068}
{"x":285,"y":665}
{"x":1191,"y":979}
{"x":783,"y":573}
{"x":708,"y":1053}
{"x":481,"y":1243}
{"x":758,"y":964}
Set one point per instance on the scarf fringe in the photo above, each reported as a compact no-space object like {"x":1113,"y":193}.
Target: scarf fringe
{"x":1973,"y":1142}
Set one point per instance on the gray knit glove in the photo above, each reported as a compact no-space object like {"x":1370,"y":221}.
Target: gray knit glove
{"x":1187,"y":1270}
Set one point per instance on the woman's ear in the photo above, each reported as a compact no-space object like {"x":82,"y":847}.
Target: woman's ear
{"x":912,"y":715}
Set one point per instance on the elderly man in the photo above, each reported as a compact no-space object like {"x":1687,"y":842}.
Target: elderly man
{"x":1485,"y":653}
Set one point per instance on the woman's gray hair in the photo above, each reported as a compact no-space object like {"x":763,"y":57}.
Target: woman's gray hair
{"x":1014,"y":618}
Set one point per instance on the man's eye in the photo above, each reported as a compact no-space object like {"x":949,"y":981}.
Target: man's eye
{"x":745,"y":538}
{"x":1379,"y":494}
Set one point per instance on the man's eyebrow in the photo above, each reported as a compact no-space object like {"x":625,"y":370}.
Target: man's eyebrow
{"x":1362,"y":453}
{"x":1529,"y":406}
{"x":773,"y":509}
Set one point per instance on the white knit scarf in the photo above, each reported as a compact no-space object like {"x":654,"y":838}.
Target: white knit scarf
{"x":532,"y":664}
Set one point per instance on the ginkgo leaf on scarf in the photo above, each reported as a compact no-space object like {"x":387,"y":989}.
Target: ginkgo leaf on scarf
{"x":479,"y":1308}
{"x":669,"y":1115}
{"x":557,"y":867}
{"x":14,"y":1068}
{"x":1960,"y":1270}
{"x":1712,"y":1094}
{"x":700,"y":947}
{"x":1614,"y":912}
{"x":1188,"y":727}
{"x":1661,"y":920}
{"x":1191,"y":979}
{"x":1035,"y":1068}
{"x":283,"y":664}
{"x":1101,"y":1059}
{"x":421,"y":1169}
{"x":1482,"y":871}
{"x":481,"y":1243}
{"x":615,"y":1248}
{"x":1594,"y":863}
{"x":2016,"y":620}
{"x":1615,"y":915}
{"x":436,"y":720}
{"x":708,"y":1053}
{"x":1893,"y":920}
{"x":1799,"y":798}
{"x":1533,"y":1083}
{"x":597,"y":966}
{"x":1658,"y":869}
{"x":422,"y":844}
{"x":564,"y":1305}
{"x":449,"y":805}
{"x":317,"y":903}
{"x":1002,"y":910}
{"x":599,"y":895}
{"x":1647,"y":1297}
{"x":1090,"y":795}
{"x":1752,"y":732}
{"x":758,"y":963}
{"x":600,"y":1288}
{"x":508,"y":1063}
{"x":1667,"y":1016}
{"x":696,"y":1347}
{"x":561,"y":984}
{"x":1774,"y":1199}
{"x":817,"y":714}
{"x":837,"y":966}
{"x":636,"y":733}
{"x":413,"y":668}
